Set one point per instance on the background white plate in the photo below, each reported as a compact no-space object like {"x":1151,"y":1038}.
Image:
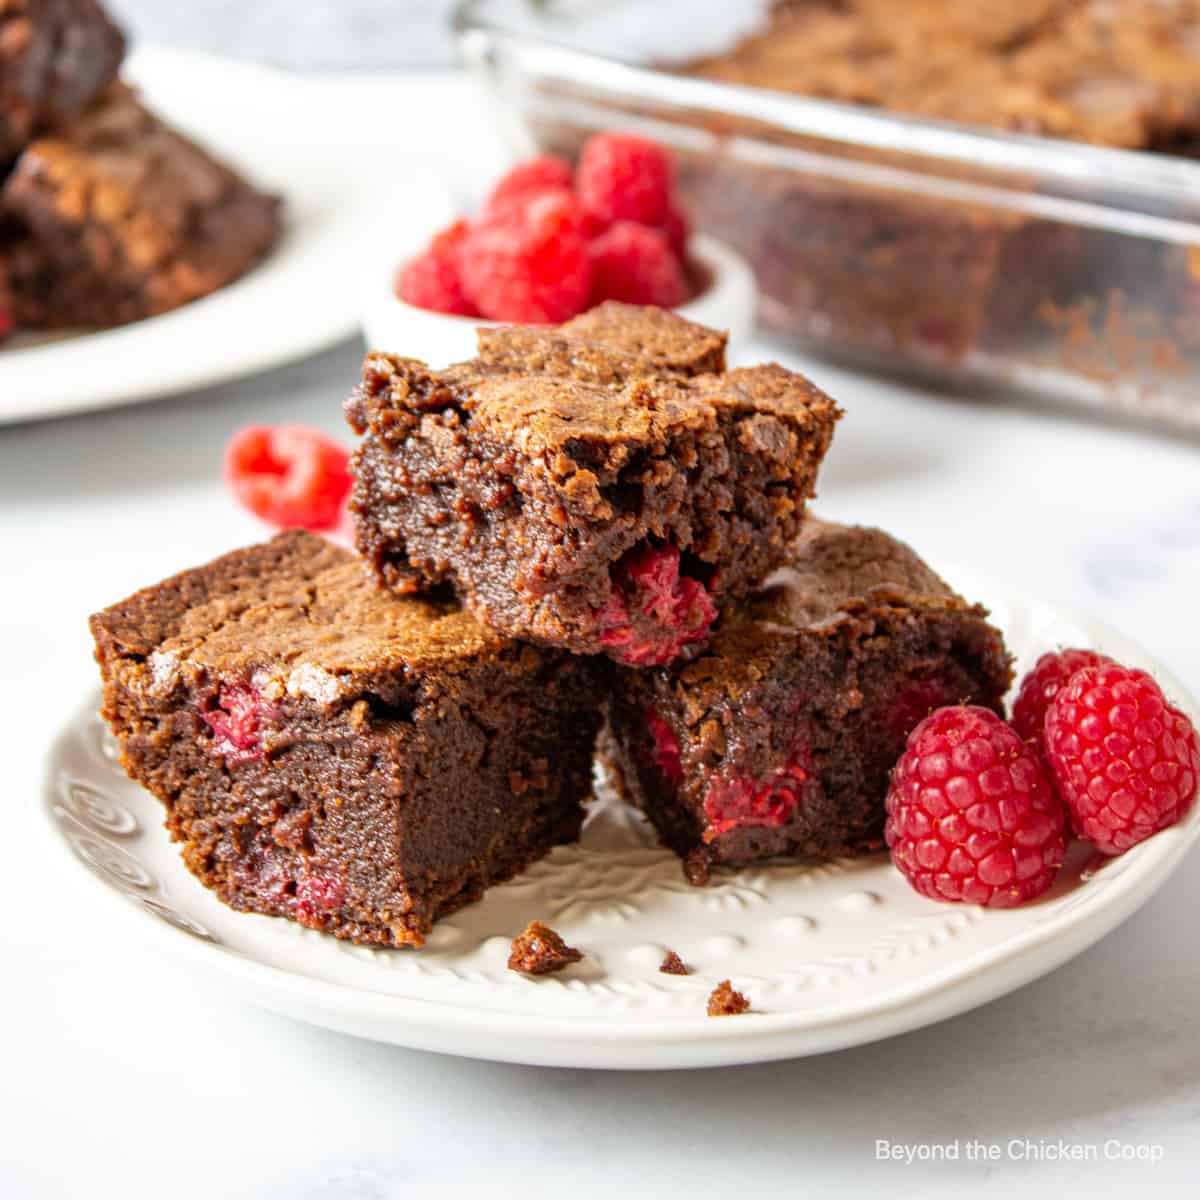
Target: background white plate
{"x":830,"y":954}
{"x":345,"y":186}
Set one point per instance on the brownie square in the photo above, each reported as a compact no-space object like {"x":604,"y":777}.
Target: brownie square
{"x":600,"y":486}
{"x":123,"y":218}
{"x":359,"y":762}
{"x":55,"y":57}
{"x":780,"y":738}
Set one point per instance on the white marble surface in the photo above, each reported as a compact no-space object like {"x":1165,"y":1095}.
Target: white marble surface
{"x":120,"y":1076}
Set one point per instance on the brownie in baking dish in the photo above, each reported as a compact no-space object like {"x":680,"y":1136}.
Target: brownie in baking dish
{"x":56,"y":56}
{"x":601,"y":486}
{"x":779,"y":739}
{"x":360,"y":762}
{"x":123,"y":218}
{"x":893,"y":277}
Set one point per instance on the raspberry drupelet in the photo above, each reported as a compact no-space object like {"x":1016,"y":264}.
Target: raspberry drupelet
{"x":778,"y":737}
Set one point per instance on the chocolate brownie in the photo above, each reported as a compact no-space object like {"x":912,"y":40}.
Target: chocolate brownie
{"x":124,"y":218}
{"x":598,"y":486}
{"x":780,"y":738}
{"x":56,"y":56}
{"x":887,"y":276}
{"x":359,"y":762}
{"x":1124,"y":73}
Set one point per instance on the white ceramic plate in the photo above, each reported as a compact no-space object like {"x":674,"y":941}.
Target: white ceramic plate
{"x":830,"y":954}
{"x":342,"y":197}
{"x":729,"y":303}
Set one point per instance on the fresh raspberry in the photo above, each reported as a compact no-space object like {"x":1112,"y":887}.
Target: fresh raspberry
{"x":7,"y":324}
{"x":237,"y":723}
{"x":653,"y":611}
{"x":433,"y":280}
{"x":1042,"y":684}
{"x":543,"y":173}
{"x":769,"y":802}
{"x":546,"y":205}
{"x":622,"y":177}
{"x":972,"y":815}
{"x":677,"y":230}
{"x":636,"y":264}
{"x":665,"y":753}
{"x":529,"y":262}
{"x":1126,"y":762}
{"x":289,"y":475}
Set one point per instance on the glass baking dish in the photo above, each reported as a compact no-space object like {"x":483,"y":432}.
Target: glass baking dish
{"x":976,"y":259}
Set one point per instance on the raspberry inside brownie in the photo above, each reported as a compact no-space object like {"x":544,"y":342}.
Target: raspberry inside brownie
{"x":780,"y":737}
{"x":602,"y":486}
{"x":359,"y":762}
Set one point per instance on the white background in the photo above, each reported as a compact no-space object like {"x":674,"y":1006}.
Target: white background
{"x":121,"y":1076}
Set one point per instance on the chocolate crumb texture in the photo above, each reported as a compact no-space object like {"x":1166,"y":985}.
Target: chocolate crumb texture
{"x":726,"y":1001}
{"x":672,"y":964}
{"x":539,"y":950}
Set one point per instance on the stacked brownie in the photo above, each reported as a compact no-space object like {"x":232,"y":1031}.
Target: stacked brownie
{"x":592,"y":519}
{"x":107,"y":215}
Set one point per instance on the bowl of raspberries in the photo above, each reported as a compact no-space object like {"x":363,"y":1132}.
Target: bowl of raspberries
{"x":552,"y":240}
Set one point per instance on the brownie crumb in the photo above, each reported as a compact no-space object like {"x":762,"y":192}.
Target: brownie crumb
{"x":726,"y":1002}
{"x":673,"y":965}
{"x":539,"y":950}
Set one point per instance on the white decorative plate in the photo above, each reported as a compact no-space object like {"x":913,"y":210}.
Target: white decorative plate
{"x":345,"y":188}
{"x":829,"y":954}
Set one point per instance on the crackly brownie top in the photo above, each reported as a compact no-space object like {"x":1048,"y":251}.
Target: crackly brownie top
{"x":297,"y":606}
{"x":1114,"y":72}
{"x":619,"y":374}
{"x":154,"y":191}
{"x":841,"y":579}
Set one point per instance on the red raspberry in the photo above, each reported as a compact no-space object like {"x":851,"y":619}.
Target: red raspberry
{"x":972,"y":815}
{"x":546,"y":172}
{"x":237,"y":723}
{"x":635,"y":264}
{"x":913,"y":702}
{"x":622,"y":177}
{"x":316,"y":896}
{"x":770,"y":802}
{"x":289,"y":475}
{"x":1041,"y":685}
{"x":665,"y":753}
{"x":1125,"y":761}
{"x":433,"y":279}
{"x":652,"y":611}
{"x":6,"y":324}
{"x":529,"y":262}
{"x":546,"y":205}
{"x":677,"y":230}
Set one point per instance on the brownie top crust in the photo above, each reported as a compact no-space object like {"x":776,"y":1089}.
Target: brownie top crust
{"x":619,"y":374}
{"x":837,"y":568}
{"x":300,"y":608}
{"x":151,"y":217}
{"x":1123,"y":73}
{"x":843,"y":579}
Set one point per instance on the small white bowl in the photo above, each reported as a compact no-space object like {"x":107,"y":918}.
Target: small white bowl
{"x":728,"y":302}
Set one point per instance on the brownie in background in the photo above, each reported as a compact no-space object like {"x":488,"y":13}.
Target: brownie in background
{"x":56,"y":56}
{"x":122,"y":218}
